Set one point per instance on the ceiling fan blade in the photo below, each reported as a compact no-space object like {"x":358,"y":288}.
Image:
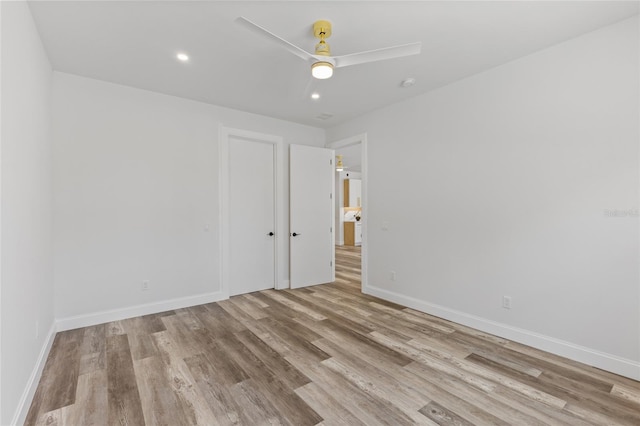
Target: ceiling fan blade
{"x":378,"y":54}
{"x":282,"y":42}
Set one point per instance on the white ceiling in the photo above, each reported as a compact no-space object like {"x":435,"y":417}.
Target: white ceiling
{"x":135,"y":43}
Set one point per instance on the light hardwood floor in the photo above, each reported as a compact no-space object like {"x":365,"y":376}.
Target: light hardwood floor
{"x":321,"y":355}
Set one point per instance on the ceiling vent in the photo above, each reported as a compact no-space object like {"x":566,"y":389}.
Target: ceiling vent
{"x":324,"y":116}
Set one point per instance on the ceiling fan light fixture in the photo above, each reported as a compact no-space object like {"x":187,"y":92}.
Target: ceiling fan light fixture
{"x":322,"y":70}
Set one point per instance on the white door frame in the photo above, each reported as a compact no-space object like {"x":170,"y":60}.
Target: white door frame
{"x":343,"y":143}
{"x":224,"y":133}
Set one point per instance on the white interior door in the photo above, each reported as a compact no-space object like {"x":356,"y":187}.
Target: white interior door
{"x":251,"y":215}
{"x":311,"y":240}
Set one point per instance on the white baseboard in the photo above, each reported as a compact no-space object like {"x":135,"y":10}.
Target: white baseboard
{"x":87,"y":320}
{"x":24,"y":404}
{"x":615,"y":364}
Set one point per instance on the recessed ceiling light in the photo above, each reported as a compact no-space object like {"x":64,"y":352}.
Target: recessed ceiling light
{"x":315,"y":95}
{"x":408,"y":82}
{"x":183,"y":57}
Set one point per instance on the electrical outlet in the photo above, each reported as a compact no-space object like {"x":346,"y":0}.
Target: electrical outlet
{"x":506,"y":302}
{"x":145,"y":285}
{"x":392,"y":275}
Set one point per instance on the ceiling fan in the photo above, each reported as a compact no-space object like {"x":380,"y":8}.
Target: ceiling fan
{"x":322,"y":63}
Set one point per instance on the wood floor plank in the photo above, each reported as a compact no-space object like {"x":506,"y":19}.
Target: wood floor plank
{"x":507,"y":363}
{"x":217,"y":393}
{"x":93,"y":362}
{"x":331,"y":314}
{"x":254,"y":300}
{"x":443,"y":416}
{"x":567,"y":366}
{"x":216,"y":320}
{"x":271,"y":386}
{"x":364,"y":406}
{"x":256,"y":406}
{"x":292,"y":304}
{"x":422,"y":324}
{"x":346,"y":362}
{"x":125,"y":407}
{"x":51,"y":418}
{"x":386,"y":377}
{"x":577,"y":394}
{"x":182,"y":337}
{"x":626,"y":392}
{"x":67,"y":369}
{"x":91,"y":405}
{"x":154,"y":323}
{"x":435,"y":361}
{"x":387,"y":399}
{"x":596,"y":417}
{"x":188,"y":318}
{"x":279,"y":366}
{"x":159,"y":402}
{"x":470,"y":368}
{"x":115,"y":328}
{"x":183,"y":384}
{"x":296,"y":337}
{"x":321,"y":355}
{"x":215,"y":363}
{"x":332,"y":411}
{"x":142,"y":346}
{"x":355,"y":318}
{"x":225,"y":322}
{"x":261,"y":329}
{"x":93,"y":339}
{"x":456,"y":392}
{"x":58,"y":385}
{"x":250,"y":308}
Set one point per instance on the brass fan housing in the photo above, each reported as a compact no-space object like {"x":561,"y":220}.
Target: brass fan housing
{"x":322,"y":28}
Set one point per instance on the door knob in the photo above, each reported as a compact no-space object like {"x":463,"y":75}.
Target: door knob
{"x":295,"y":234}
{"x":271,"y":234}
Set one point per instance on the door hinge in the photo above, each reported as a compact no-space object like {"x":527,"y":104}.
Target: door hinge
{"x":331,"y":196}
{"x":330,"y":229}
{"x":331,"y":161}
{"x":331,"y":263}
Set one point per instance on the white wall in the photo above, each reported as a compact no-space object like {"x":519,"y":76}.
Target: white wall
{"x":507,"y":180}
{"x":136,"y":184}
{"x":26,"y":212}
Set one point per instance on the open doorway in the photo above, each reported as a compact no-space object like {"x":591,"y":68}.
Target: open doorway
{"x":351,"y":211}
{"x":349,"y":267}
